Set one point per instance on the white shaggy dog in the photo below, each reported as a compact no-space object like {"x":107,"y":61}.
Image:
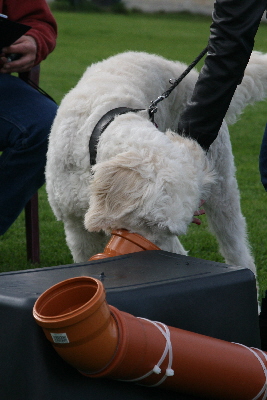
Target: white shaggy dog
{"x":147,"y":180}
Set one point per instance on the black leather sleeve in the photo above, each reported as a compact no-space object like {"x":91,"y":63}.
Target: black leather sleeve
{"x":235,"y":24}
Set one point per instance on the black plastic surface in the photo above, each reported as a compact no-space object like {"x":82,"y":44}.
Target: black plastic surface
{"x":202,"y":296}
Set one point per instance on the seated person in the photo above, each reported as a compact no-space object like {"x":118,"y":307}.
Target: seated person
{"x":25,"y":114}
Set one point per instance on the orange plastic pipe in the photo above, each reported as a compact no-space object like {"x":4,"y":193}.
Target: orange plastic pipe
{"x":124,"y":242}
{"x":101,"y":341}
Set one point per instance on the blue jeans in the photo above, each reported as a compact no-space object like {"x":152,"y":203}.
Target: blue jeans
{"x":26,"y":117}
{"x":263,"y":159}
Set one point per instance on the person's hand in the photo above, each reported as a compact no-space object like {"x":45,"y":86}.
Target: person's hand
{"x":197,"y":213}
{"x":26,"y":48}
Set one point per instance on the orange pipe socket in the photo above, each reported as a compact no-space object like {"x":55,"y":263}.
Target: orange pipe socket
{"x":101,"y":341}
{"x":124,"y":242}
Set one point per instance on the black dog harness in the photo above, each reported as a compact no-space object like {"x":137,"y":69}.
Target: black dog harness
{"x":102,"y":124}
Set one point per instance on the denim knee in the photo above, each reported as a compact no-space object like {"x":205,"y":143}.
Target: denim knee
{"x":24,"y":107}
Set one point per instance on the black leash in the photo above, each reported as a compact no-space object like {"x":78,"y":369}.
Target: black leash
{"x":153,"y":107}
{"x":110,"y":115}
{"x":40,"y":90}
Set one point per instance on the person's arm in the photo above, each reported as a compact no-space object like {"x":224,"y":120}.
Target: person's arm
{"x":39,"y":41}
{"x":235,"y":24}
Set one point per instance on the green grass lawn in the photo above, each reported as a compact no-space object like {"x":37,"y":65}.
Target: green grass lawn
{"x":87,"y":38}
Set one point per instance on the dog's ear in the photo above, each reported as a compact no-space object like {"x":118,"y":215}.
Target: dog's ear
{"x":144,"y":190}
{"x":116,"y":190}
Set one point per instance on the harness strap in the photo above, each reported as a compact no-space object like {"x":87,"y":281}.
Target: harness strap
{"x":102,"y":124}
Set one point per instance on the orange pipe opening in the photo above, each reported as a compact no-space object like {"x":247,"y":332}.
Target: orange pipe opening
{"x":124,"y":242}
{"x":101,"y":341}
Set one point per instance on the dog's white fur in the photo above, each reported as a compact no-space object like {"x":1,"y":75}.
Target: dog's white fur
{"x":146,"y":180}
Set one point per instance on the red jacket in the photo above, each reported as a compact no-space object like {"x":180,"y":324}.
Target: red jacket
{"x":36,"y":14}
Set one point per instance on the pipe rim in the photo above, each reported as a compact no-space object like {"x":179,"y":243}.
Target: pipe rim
{"x":78,"y":314}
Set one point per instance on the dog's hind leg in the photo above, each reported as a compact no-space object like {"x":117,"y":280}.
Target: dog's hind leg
{"x":223,"y":208}
{"x":82,"y":244}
